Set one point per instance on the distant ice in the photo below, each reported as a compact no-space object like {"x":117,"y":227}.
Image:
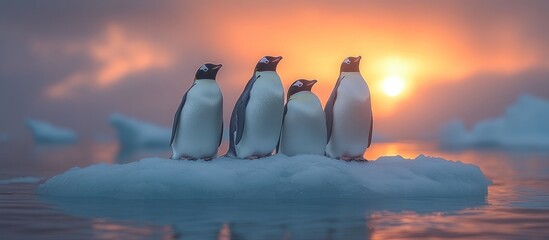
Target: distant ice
{"x":46,"y":133}
{"x":29,"y":180}
{"x":277,"y":177}
{"x":525,"y":124}
{"x":137,"y":134}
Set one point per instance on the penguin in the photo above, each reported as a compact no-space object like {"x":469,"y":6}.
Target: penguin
{"x":198,"y":123}
{"x":257,"y":115}
{"x":349,"y":118}
{"x":304,"y":122}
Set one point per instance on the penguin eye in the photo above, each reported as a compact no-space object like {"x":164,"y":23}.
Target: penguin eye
{"x":264,"y":60}
{"x":203,"y":68}
{"x":347,"y":61}
{"x":298,"y":84}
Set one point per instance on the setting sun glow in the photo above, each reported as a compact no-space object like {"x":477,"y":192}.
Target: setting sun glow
{"x":393,"y":85}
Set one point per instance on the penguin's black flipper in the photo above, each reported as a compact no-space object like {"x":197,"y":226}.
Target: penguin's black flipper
{"x":241,"y":110}
{"x":329,"y":109}
{"x":371,"y":128}
{"x":221,"y":133}
{"x":238,"y":116}
{"x":232,"y":129}
{"x":177,"y":116}
{"x":280,"y":135}
{"x":241,"y":116}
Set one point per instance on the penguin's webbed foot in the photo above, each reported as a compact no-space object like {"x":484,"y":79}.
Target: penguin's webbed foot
{"x":253,"y":157}
{"x":353,"y":159}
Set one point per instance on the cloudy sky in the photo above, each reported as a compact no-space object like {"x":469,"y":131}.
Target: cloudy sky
{"x":75,"y":62}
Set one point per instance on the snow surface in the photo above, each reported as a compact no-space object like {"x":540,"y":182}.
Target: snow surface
{"x":137,"y":134}
{"x":525,"y":124}
{"x":277,"y":177}
{"x":29,"y":180}
{"x":46,"y":133}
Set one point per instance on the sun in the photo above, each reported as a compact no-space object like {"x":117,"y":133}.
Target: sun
{"x":393,"y":85}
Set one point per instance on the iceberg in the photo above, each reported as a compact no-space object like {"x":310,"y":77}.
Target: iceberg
{"x":46,"y":133}
{"x":523,"y":126}
{"x":276,"y":177}
{"x":136,"y":134}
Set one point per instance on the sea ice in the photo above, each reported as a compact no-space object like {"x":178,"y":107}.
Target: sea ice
{"x":524,"y":125}
{"x":46,"y":133}
{"x":136,"y":134}
{"x":277,"y":177}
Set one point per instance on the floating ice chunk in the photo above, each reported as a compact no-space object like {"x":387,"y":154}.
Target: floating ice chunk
{"x":524,"y":125}
{"x":46,"y":133}
{"x":277,"y":177}
{"x":29,"y":180}
{"x":135,"y":134}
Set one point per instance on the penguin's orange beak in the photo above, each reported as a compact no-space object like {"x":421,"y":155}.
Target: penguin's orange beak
{"x":277,"y":59}
{"x":311,"y":83}
{"x":358,"y":58}
{"x":218,"y":66}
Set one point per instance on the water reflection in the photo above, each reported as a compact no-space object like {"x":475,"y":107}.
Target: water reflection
{"x":517,"y":204}
{"x":258,"y":219}
{"x":479,"y":223}
{"x":107,"y":230}
{"x":27,"y":159}
{"x":224,"y":232}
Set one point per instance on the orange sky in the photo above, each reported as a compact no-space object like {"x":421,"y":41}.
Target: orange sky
{"x":93,"y":50}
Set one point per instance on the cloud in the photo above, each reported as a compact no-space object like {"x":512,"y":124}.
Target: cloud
{"x":116,"y":54}
{"x":440,"y":48}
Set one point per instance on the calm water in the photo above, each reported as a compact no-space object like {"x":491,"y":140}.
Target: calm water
{"x":516,"y":207}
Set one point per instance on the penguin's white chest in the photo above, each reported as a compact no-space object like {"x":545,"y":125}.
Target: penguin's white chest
{"x":263,"y":116}
{"x":304,"y":127}
{"x":200,"y":122}
{"x":352,"y":115}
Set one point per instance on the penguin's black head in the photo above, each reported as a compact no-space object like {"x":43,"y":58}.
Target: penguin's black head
{"x":350,"y":64}
{"x":207,"y":71}
{"x":267,"y":63}
{"x":301,"y":85}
